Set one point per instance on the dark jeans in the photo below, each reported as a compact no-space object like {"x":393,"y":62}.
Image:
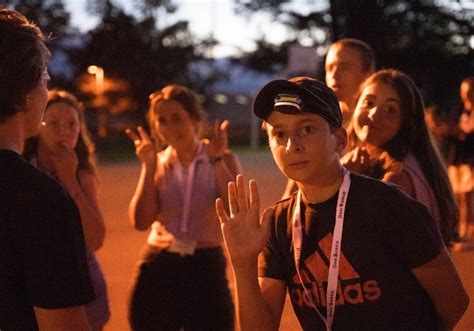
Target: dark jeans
{"x":173,"y":292}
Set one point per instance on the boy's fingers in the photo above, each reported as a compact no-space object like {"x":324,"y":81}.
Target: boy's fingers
{"x":241,"y":194}
{"x":254,"y":196}
{"x":232,"y":195}
{"x":221,"y":213}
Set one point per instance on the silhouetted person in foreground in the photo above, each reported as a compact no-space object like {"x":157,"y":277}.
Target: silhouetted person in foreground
{"x":44,"y":281}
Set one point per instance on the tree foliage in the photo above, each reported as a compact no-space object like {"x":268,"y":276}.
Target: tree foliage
{"x":141,"y":48}
{"x":133,"y":49}
{"x":432,"y":43}
{"x":50,"y":15}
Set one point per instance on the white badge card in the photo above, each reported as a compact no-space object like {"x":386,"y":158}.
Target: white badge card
{"x":183,"y":246}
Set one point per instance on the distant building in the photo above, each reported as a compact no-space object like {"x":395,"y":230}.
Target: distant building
{"x":233,"y":99}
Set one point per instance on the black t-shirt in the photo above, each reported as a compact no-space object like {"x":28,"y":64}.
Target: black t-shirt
{"x":385,"y":235}
{"x":42,"y":251}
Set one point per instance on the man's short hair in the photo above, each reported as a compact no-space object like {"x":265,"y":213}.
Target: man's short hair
{"x":365,"y":51}
{"x":23,"y":58}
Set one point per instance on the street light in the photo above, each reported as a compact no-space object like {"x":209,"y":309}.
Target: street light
{"x":99,"y":77}
{"x":99,"y":86}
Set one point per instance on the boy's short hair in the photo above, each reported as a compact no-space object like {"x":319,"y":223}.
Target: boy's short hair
{"x":23,"y":58}
{"x":366,"y":52}
{"x":298,"y":94}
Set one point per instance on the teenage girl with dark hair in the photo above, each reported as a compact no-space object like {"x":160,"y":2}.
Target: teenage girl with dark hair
{"x":391,"y":141}
{"x":64,"y":150}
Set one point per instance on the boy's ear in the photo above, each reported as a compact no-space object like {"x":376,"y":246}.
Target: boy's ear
{"x":341,"y":139}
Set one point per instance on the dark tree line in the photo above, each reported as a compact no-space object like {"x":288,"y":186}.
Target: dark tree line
{"x":434,"y":44}
{"x":135,"y":49}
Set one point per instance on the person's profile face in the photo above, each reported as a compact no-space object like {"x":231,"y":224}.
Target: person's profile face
{"x":344,"y":72}
{"x":377,"y":117}
{"x":35,"y":105}
{"x":303,"y":145}
{"x":60,"y":127}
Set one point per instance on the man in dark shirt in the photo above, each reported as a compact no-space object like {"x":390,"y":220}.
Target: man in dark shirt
{"x":44,"y":281}
{"x":354,"y":253}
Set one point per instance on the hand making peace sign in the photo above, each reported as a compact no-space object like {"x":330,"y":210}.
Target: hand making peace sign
{"x":144,"y":146}
{"x":218,"y":143}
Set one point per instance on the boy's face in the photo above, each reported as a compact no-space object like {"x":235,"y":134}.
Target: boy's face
{"x":303,"y":146}
{"x":344,"y":72}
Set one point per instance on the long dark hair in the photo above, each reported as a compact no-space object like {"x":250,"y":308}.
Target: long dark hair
{"x":415,"y":137}
{"x":85,"y":149}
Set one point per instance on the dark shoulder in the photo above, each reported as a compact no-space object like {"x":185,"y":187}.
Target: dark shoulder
{"x":284,"y":209}
{"x":26,"y":181}
{"x":403,"y":180}
{"x":377,"y":194}
{"x":375,"y":189}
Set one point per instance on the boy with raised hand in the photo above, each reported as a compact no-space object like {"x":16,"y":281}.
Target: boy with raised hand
{"x":353,"y":253}
{"x":348,"y":63}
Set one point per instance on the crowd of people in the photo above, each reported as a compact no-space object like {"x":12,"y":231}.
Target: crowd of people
{"x":380,"y":191}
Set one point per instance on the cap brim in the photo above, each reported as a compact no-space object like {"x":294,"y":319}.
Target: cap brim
{"x":265,"y":99}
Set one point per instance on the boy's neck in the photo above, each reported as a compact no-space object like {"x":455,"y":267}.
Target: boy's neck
{"x":12,"y":135}
{"x":321,"y":190}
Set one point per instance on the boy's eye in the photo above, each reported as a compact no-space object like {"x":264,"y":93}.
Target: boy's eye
{"x":308,"y":129}
{"x":279,"y":134}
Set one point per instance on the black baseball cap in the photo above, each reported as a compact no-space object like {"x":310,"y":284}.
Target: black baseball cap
{"x":298,"y":94}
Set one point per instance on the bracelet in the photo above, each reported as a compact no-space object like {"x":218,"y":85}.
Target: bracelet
{"x":216,"y":159}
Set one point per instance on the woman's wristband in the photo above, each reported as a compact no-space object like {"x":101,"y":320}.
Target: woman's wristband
{"x":215,"y":159}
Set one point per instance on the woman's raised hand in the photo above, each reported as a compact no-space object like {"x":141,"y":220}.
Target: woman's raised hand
{"x":245,"y":233}
{"x":65,"y":162}
{"x":218,"y":143}
{"x":358,"y":160}
{"x":144,"y":147}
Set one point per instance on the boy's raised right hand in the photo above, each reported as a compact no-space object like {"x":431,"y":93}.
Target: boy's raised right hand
{"x":245,"y":233}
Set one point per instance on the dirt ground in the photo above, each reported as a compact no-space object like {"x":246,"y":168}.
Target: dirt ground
{"x":123,"y":243}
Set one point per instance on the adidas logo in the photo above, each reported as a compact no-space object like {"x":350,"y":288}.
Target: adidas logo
{"x":314,"y":274}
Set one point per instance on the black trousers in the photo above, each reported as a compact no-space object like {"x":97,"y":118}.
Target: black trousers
{"x":173,"y":292}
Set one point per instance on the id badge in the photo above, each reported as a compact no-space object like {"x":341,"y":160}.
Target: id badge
{"x":182,"y":247}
